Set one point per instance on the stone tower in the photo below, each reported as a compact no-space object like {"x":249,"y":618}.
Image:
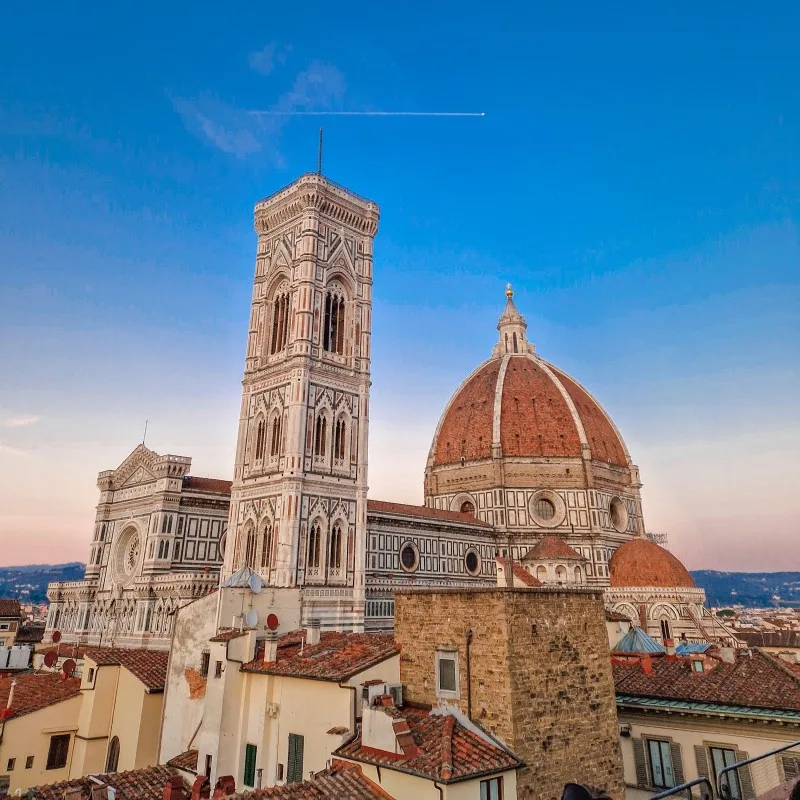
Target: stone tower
{"x":299,"y":497}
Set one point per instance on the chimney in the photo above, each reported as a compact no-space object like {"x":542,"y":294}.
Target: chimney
{"x":669,"y":646}
{"x":72,"y":793}
{"x":647,"y":665}
{"x":270,"y":647}
{"x":312,"y":632}
{"x":201,"y":788}
{"x":226,"y":785}
{"x":101,"y":793}
{"x":173,"y":789}
{"x":728,"y":655}
{"x":11,"y":693}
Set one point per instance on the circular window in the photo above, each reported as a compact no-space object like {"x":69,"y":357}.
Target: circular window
{"x":618,"y":514}
{"x":467,"y":508}
{"x":472,"y":562}
{"x":544,"y":509}
{"x":126,"y":555}
{"x":547,"y":508}
{"x":409,"y":557}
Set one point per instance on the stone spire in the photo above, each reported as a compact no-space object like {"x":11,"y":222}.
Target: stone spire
{"x":512,"y":327}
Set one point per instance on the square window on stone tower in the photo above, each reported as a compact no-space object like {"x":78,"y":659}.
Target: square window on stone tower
{"x":447,"y":673}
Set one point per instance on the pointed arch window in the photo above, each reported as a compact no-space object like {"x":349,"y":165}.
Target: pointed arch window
{"x":333,"y":329}
{"x":339,"y":437}
{"x":250,"y":547}
{"x":266,"y":547}
{"x":276,"y":436}
{"x":335,"y":549}
{"x":514,"y":341}
{"x":314,"y":542}
{"x":280,"y":322}
{"x":112,"y":759}
{"x":261,"y":438}
{"x":321,"y":435}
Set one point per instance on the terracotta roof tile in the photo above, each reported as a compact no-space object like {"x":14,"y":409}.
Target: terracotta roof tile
{"x":185,"y":761}
{"x":212,"y":485}
{"x":137,"y":784}
{"x":37,"y":690}
{"x":226,"y":634}
{"x":551,"y":547}
{"x":377,"y":507}
{"x":10,"y":608}
{"x":444,"y":750}
{"x":337,"y":657}
{"x":149,"y":666}
{"x":340,"y":782}
{"x":756,"y":680}
{"x":768,"y":638}
{"x":520,"y":573}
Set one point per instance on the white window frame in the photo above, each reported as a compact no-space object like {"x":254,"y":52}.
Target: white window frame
{"x":446,"y":654}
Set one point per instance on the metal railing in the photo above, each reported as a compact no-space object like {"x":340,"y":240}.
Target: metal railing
{"x":725,"y":788}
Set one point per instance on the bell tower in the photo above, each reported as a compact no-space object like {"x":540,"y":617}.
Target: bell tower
{"x":299,"y":497}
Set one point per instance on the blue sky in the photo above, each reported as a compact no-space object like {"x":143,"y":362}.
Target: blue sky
{"x":635,"y":176}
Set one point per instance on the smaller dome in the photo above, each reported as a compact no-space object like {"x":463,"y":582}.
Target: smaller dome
{"x":641,"y":562}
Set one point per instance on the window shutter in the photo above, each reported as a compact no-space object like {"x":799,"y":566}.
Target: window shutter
{"x":677,"y":763}
{"x":294,"y":772}
{"x":745,"y":779}
{"x":702,"y":761}
{"x":250,"y":765}
{"x":791,"y":767}
{"x":640,"y":760}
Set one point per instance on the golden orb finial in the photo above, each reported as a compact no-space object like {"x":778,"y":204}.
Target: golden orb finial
{"x":509,"y":291}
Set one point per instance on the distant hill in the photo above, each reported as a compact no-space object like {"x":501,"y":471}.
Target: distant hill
{"x":753,"y":589}
{"x":29,"y":583}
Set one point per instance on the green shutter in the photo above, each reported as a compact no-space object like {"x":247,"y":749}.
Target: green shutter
{"x":677,"y":763}
{"x":745,"y":778}
{"x":294,"y":773}
{"x":250,"y":765}
{"x":640,"y":760}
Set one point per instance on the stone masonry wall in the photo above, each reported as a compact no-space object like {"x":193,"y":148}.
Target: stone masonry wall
{"x":539,"y":672}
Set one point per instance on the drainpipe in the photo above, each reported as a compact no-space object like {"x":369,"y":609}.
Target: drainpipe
{"x":440,"y":789}
{"x":469,"y":675}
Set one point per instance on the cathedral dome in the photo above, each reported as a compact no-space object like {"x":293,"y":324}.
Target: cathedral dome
{"x":641,"y":562}
{"x":526,"y":406}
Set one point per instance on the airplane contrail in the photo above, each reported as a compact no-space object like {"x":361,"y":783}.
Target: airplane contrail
{"x":369,"y":113}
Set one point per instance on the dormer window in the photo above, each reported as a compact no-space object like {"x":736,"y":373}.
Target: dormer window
{"x":697,"y":665}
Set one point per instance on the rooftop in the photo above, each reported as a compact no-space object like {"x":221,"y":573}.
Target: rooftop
{"x":756,"y":680}
{"x":344,"y":781}
{"x":641,"y":562}
{"x":149,"y":666}
{"x":212,"y":485}
{"x":185,"y":761}
{"x":637,"y":641}
{"x":10,"y":608}
{"x":137,"y":784}
{"x":551,"y":547}
{"x":442,"y":748}
{"x":337,"y":656}
{"x":435,"y":514}
{"x":37,"y":690}
{"x":521,"y":575}
{"x":30,"y":633}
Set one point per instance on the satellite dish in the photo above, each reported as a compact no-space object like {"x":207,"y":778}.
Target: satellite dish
{"x":251,"y":618}
{"x":255,"y":583}
{"x":56,"y":636}
{"x":272,"y":622}
{"x":50,"y":659}
{"x":68,"y":667}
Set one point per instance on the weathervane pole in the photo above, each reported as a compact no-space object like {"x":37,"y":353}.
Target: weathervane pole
{"x":144,"y":435}
{"x":319,"y":155}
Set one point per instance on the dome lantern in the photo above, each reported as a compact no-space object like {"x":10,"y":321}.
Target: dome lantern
{"x":512,"y":327}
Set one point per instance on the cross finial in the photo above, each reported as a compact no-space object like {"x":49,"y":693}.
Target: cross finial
{"x":509,"y":291}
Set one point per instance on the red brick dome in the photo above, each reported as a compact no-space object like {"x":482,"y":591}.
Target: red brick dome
{"x":641,"y":562}
{"x":531,"y":409}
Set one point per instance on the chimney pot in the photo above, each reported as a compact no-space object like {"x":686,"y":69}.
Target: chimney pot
{"x":312,"y":632}
{"x":173,"y":789}
{"x":647,"y":665}
{"x":271,"y":647}
{"x":201,"y":788}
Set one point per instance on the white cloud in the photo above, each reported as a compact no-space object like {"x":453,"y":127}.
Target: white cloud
{"x":264,"y":60}
{"x":242,"y":133}
{"x":20,"y":422}
{"x":12,"y":451}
